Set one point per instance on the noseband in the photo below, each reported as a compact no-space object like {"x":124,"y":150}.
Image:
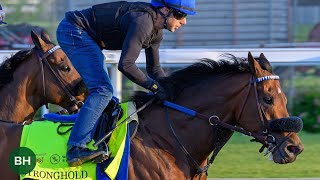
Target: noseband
{"x":266,"y":138}
{"x":44,"y":61}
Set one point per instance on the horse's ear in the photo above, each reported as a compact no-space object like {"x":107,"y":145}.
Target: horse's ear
{"x":45,"y":36}
{"x":38,"y":42}
{"x":262,"y":56}
{"x":254,"y":65}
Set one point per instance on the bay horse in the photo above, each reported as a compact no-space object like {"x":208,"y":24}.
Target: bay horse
{"x":218,"y":98}
{"x":38,"y":76}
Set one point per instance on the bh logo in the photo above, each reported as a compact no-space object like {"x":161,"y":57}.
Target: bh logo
{"x":22,"y":160}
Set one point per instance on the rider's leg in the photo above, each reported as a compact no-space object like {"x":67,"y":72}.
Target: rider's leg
{"x":88,"y":60}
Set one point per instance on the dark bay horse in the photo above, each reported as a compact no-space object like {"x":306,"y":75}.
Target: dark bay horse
{"x":38,"y":76}
{"x":228,"y":95}
{"x":216,"y":89}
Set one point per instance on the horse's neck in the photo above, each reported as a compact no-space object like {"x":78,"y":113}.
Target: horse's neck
{"x":197,"y":135}
{"x":156,"y":150}
{"x":19,"y":102}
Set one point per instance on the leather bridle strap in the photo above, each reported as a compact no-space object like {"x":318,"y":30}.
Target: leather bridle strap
{"x":181,"y":146}
{"x":214,"y":120}
{"x":43,"y":83}
{"x":43,"y":60}
{"x":269,"y":141}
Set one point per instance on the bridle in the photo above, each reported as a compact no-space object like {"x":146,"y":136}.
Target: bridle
{"x":266,"y":138}
{"x":44,"y":61}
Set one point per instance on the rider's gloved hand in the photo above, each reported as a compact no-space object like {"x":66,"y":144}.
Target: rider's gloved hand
{"x":159,"y":91}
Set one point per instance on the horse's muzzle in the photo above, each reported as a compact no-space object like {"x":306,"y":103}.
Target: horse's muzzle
{"x":80,"y":89}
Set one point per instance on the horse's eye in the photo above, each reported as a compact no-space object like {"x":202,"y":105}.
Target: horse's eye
{"x":268,"y":100}
{"x":65,"y":68}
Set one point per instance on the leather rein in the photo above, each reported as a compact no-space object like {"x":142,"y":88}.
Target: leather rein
{"x":266,"y":138}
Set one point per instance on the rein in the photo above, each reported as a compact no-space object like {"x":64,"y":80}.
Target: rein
{"x":266,"y":139}
{"x":44,"y":61}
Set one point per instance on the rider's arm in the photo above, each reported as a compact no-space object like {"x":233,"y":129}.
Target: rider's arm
{"x":153,"y":67}
{"x":139,"y":26}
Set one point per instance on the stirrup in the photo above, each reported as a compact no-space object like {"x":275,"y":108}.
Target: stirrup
{"x":79,"y":161}
{"x":102,"y":157}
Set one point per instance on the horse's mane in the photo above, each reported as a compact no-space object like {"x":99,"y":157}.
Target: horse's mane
{"x":192,"y":74}
{"x":8,"y":67}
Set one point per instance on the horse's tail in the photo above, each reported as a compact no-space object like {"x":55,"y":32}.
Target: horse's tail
{"x":61,"y":118}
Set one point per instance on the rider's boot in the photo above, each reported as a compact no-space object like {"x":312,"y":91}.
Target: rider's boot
{"x":78,"y":155}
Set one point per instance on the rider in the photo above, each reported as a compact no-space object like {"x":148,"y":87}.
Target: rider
{"x":2,"y":16}
{"x":126,"y":26}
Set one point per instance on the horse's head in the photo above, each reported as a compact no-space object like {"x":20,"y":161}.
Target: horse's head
{"x":59,"y":82}
{"x":265,"y":113}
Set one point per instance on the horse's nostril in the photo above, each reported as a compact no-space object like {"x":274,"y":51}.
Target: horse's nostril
{"x":293,"y":149}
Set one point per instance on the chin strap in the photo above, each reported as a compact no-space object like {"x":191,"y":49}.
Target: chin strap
{"x":165,"y":17}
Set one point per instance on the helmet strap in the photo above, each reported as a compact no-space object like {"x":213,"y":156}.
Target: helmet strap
{"x":165,"y":17}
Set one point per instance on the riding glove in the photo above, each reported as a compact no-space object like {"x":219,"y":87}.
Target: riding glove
{"x":159,"y":91}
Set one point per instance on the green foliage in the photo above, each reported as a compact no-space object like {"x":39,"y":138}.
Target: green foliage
{"x":308,"y":108}
{"x":307,"y":102}
{"x":240,"y":159}
{"x":302,"y":32}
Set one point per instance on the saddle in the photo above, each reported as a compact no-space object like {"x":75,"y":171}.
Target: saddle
{"x":110,"y":117}
{"x":116,"y":163}
{"x":106,"y":123}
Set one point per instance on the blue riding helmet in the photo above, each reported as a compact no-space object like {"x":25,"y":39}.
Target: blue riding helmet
{"x":185,"y":6}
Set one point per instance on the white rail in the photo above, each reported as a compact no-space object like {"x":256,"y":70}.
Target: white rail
{"x":277,"y":56}
{"x":180,"y":57}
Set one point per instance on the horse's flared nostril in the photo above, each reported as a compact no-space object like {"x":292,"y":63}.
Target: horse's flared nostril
{"x":293,"y":149}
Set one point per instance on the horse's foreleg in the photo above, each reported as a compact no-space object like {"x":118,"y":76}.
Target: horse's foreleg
{"x":10,"y":139}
